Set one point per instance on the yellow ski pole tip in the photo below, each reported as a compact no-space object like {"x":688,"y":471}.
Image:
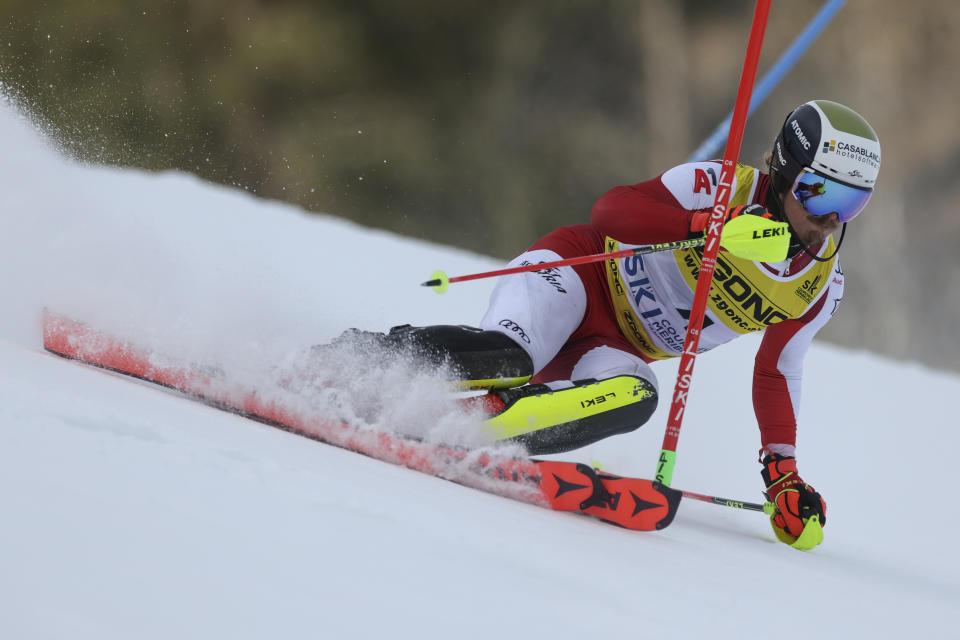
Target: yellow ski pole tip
{"x":439,"y":282}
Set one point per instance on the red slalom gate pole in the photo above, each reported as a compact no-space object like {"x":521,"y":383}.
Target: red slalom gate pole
{"x":668,"y":453}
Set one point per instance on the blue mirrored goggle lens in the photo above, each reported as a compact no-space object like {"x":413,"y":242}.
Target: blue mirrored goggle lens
{"x":820,"y":196}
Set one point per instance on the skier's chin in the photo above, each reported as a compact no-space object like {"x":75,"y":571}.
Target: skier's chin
{"x":815,"y":237}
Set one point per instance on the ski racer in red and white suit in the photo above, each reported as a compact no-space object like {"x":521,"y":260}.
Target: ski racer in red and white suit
{"x":588,"y":334}
{"x":601,"y":319}
{"x":606,"y":321}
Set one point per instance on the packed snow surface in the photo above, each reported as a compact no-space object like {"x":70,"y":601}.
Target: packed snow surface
{"x":131,"y":512}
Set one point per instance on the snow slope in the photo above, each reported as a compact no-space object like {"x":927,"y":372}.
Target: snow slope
{"x":129,"y":512}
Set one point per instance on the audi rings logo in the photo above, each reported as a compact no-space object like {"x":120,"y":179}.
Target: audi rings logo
{"x":515,"y":328}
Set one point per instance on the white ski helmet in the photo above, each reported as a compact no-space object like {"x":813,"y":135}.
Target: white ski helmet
{"x":830,"y":139}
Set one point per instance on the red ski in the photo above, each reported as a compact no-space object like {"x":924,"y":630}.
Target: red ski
{"x":633,"y":503}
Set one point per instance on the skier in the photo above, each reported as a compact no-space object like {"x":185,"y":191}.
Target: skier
{"x":584,"y":337}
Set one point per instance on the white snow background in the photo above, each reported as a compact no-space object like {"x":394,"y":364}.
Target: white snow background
{"x":127,"y":511}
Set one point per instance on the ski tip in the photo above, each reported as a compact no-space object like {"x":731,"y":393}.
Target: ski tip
{"x":439,"y":282}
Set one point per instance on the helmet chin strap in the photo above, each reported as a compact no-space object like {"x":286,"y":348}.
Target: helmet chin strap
{"x":780,"y":215}
{"x":836,"y":250}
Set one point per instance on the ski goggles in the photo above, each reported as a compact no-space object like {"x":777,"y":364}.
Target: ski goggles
{"x":820,"y":195}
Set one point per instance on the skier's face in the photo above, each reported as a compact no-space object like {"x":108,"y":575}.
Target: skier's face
{"x":812,"y":230}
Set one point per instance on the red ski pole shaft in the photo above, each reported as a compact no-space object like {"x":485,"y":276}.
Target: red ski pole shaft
{"x":440,"y":280}
{"x":668,"y":453}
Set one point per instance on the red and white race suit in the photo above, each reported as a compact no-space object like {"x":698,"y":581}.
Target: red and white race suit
{"x":616,"y":317}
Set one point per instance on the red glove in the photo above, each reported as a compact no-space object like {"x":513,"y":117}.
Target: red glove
{"x":698,"y":222}
{"x":796,"y":501}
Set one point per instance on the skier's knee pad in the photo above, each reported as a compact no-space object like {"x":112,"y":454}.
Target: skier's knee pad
{"x":480,"y":358}
{"x":548,"y":421}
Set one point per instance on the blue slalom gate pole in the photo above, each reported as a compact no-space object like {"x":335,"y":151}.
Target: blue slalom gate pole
{"x":716,"y":140}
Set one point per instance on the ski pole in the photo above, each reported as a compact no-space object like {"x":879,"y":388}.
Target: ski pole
{"x":767,"y":507}
{"x":668,"y":453}
{"x":440,"y":282}
{"x":750,"y":237}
